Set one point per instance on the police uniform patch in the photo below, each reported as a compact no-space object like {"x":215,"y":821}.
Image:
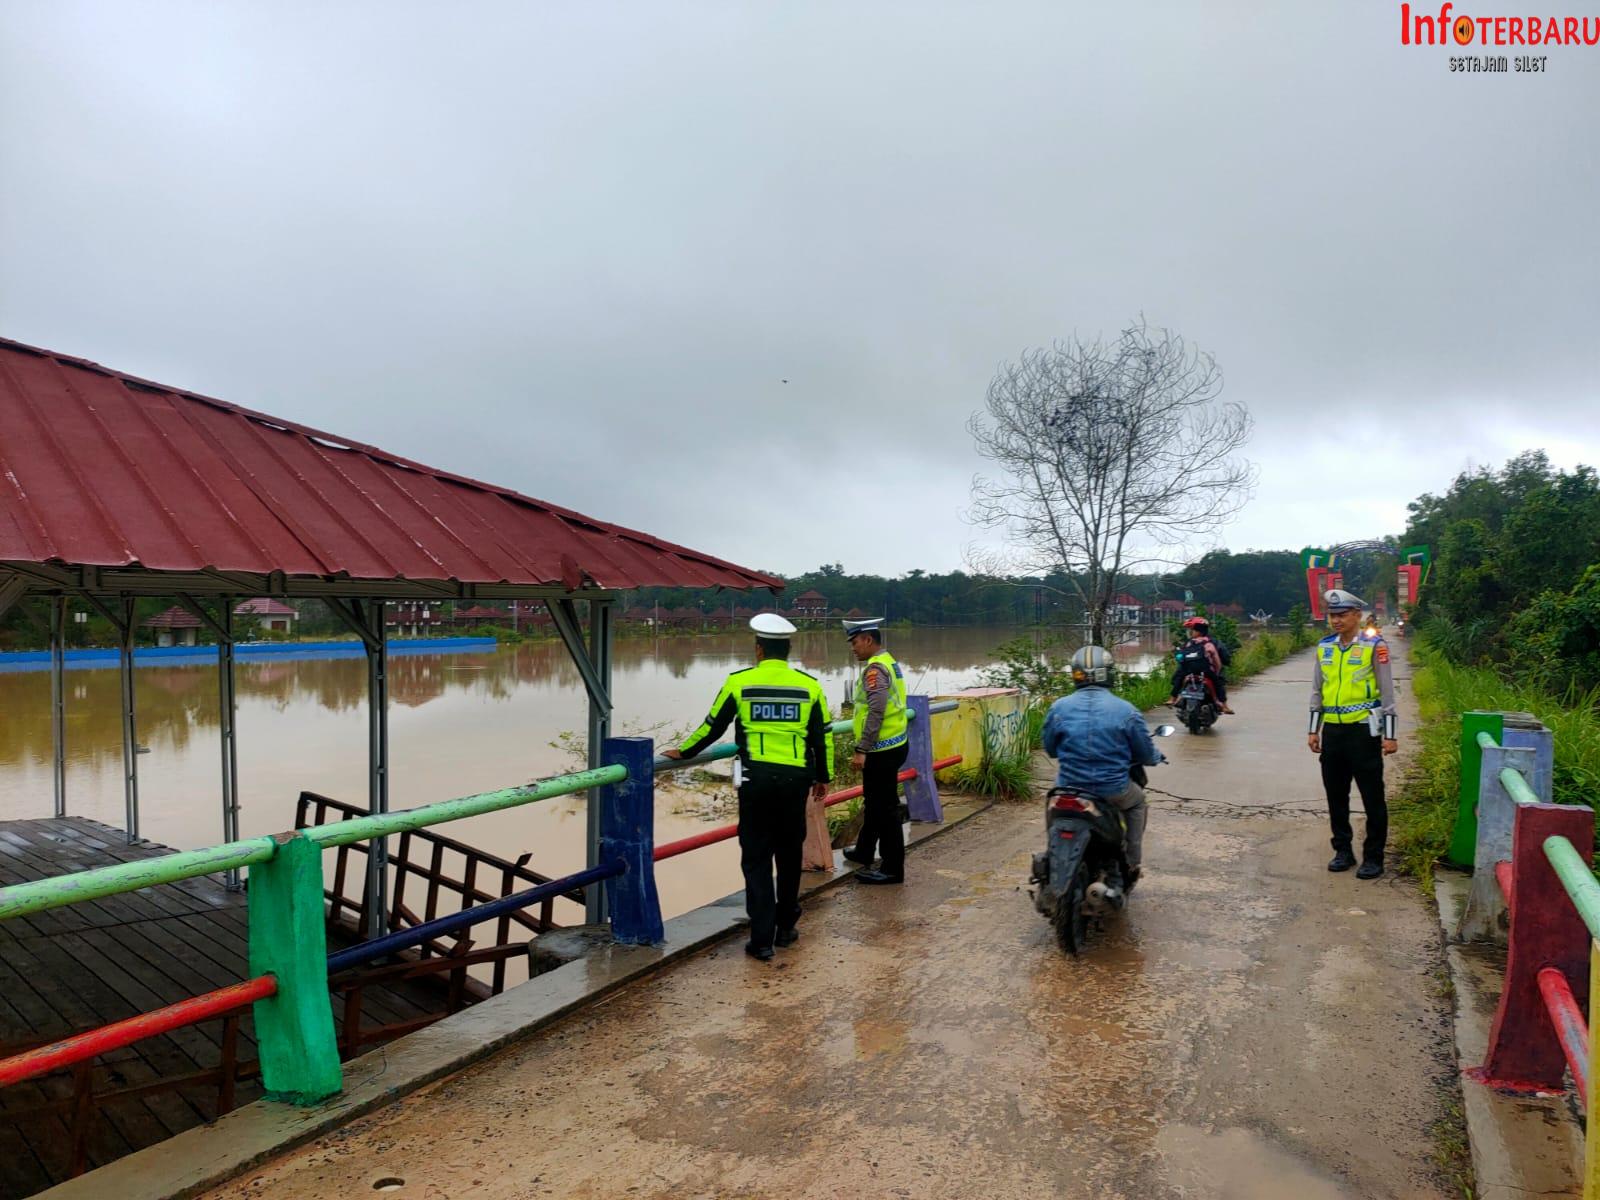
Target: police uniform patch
{"x":875,"y":677}
{"x":1383,"y":652}
{"x":770,"y":710}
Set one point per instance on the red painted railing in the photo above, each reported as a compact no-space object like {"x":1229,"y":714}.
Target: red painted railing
{"x":723,"y":832}
{"x":115,"y":1036}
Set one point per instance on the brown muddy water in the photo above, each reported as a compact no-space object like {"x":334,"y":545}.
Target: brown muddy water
{"x":459,"y":723}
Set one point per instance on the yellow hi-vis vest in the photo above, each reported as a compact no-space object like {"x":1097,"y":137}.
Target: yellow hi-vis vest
{"x":773,"y":704}
{"x":892,"y":732}
{"x":1349,"y":681}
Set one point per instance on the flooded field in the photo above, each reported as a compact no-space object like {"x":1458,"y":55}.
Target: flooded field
{"x":459,"y":723}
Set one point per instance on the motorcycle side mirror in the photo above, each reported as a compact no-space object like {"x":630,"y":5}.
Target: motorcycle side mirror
{"x":1164,"y":730}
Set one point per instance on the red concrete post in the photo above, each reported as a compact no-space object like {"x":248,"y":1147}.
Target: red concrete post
{"x":1546,"y":931}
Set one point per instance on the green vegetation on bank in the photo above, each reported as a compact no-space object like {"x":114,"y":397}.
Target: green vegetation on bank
{"x":1509,"y":620}
{"x":1423,"y":813}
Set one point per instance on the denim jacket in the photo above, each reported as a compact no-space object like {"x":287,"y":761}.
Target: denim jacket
{"x":1096,"y":736}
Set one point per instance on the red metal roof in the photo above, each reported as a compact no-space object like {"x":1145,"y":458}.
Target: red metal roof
{"x":98,"y":468}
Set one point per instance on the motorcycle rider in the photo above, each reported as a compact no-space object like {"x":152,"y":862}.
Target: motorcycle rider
{"x":1096,"y":737}
{"x":1201,"y":648}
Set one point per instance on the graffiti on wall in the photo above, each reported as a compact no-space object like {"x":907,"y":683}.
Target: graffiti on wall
{"x":1004,"y":733}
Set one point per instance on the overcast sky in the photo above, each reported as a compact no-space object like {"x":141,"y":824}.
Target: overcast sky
{"x":576,"y":249}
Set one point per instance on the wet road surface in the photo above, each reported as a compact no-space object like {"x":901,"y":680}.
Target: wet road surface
{"x":1253,"y":1028}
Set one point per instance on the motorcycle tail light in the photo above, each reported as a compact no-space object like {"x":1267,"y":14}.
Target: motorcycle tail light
{"x":1071,"y":804}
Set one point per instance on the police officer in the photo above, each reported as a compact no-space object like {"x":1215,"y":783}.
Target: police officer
{"x":1353,"y":726}
{"x":781,"y":724}
{"x":881,"y":746}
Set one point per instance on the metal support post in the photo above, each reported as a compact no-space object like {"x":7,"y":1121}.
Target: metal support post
{"x":599,"y":731}
{"x":1464,"y":839}
{"x":288,"y":940}
{"x":228,"y":707}
{"x":371,"y":613}
{"x":130,"y":731}
{"x":58,"y":700}
{"x":627,"y":832}
{"x":922,"y":793}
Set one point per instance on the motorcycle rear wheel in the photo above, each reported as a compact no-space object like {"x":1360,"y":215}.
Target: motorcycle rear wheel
{"x":1070,"y":920}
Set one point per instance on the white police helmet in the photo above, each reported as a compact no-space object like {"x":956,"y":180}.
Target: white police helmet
{"x":1339,"y":600}
{"x":771,"y":625}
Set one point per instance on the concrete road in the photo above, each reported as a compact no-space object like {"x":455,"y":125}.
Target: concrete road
{"x":1253,"y":1028}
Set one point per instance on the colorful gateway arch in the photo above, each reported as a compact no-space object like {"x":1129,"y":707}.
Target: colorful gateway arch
{"x":1325,"y":569}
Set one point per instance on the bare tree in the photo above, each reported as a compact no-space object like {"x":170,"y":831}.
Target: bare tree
{"x":1106,"y":456}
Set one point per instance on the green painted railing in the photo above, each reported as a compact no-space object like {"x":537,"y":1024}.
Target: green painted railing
{"x":42,"y":894}
{"x":20,"y":899}
{"x":728,"y":749}
{"x":359,"y":829}
{"x":1577,"y":878}
{"x":1510,"y":778}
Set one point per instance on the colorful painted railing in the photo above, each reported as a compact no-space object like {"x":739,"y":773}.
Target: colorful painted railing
{"x":1532,"y":886}
{"x":723,"y":832}
{"x":289,"y":963}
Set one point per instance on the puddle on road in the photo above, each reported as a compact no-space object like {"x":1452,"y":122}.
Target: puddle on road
{"x":1236,"y":1164}
{"x":877,"y":1037}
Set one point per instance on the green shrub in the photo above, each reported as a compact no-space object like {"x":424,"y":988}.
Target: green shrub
{"x":1424,"y":810}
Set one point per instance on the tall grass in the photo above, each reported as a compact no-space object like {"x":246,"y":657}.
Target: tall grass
{"x":1005,"y":770}
{"x":1424,"y":811}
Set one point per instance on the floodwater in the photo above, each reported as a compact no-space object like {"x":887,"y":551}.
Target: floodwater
{"x":459,"y":723}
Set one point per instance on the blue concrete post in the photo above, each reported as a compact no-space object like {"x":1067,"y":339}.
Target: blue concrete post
{"x":922,"y":793}
{"x":1543,"y":744}
{"x":628,"y":832}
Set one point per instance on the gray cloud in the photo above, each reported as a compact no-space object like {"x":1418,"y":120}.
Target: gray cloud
{"x":577,"y":249}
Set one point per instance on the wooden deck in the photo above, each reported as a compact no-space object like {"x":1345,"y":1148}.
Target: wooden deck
{"x":75,"y":968}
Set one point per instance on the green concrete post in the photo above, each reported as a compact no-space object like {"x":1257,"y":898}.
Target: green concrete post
{"x":288,"y":939}
{"x":1464,"y":841}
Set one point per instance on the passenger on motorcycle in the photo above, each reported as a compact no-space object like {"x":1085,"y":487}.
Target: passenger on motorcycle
{"x":1201,"y":653}
{"x":1096,"y":737}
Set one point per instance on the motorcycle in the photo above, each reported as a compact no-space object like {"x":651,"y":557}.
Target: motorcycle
{"x":1082,"y":874}
{"x":1197,"y":705}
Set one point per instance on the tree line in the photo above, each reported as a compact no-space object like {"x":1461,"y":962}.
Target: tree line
{"x":1516,"y":570}
{"x":1270,"y":580}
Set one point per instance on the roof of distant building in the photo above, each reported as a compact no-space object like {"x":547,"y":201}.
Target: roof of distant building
{"x":264,"y":606}
{"x":176,"y":617}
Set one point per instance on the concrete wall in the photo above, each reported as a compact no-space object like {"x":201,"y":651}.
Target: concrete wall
{"x":1000,"y":711}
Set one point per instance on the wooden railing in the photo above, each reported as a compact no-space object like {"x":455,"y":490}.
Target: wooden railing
{"x":445,"y":871}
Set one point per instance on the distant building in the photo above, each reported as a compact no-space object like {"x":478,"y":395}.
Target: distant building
{"x":413,"y":618}
{"x":1169,"y":610}
{"x":1126,"y":609}
{"x":177,"y":626}
{"x":477,"y":614}
{"x":810,"y":605}
{"x":273,"y":615}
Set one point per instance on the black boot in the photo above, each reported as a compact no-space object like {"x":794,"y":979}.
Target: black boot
{"x":1343,"y":860}
{"x":1370,"y":869}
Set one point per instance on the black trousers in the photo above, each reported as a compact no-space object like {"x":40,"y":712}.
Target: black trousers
{"x":1351,"y":752}
{"x":772,"y":831}
{"x":881,"y":833}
